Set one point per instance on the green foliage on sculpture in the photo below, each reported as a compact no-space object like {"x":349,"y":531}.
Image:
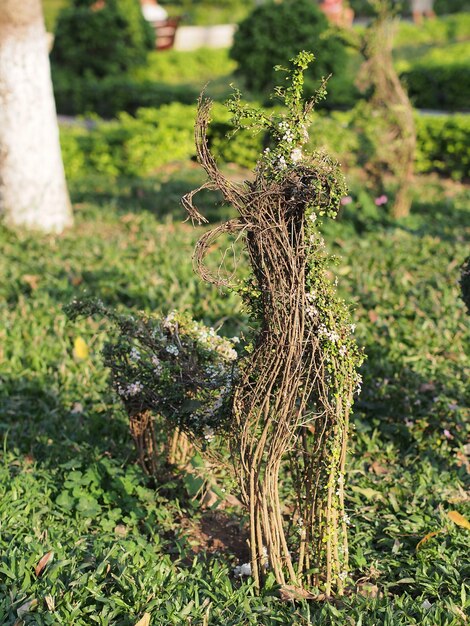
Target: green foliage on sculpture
{"x":107,"y":39}
{"x":171,"y":367}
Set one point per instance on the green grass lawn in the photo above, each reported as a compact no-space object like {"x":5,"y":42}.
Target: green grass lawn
{"x":69,"y":482}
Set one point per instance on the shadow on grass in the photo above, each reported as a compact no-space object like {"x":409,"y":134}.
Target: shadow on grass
{"x":38,"y":420}
{"x":421,"y":417}
{"x":157,"y":195}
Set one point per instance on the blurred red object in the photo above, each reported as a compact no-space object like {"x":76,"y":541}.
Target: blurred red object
{"x":337,"y":13}
{"x":165,"y":31}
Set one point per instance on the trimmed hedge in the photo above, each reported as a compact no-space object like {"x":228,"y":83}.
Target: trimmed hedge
{"x":441,"y":7}
{"x":110,"y":96}
{"x":138,"y":146}
{"x":130,"y":146}
{"x":442,"y":87}
{"x":441,"y":31}
{"x":444,"y":145}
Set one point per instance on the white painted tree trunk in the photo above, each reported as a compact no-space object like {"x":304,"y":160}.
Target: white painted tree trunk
{"x":33,"y":191}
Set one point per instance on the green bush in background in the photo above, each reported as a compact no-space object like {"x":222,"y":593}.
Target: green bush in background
{"x":109,"y":96}
{"x":436,"y":86}
{"x":363,"y":8}
{"x":444,"y":145}
{"x":437,"y":32}
{"x":274,"y":33}
{"x":130,"y":146}
{"x":101,"y":42}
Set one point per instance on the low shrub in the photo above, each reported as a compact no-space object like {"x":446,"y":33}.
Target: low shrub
{"x":130,"y":146}
{"x":209,"y":12}
{"x":442,"y":30}
{"x":178,"y":369}
{"x":438,"y":86}
{"x":444,"y":145}
{"x":101,"y":41}
{"x":363,"y":8}
{"x":442,"y":7}
{"x":137,"y":146}
{"x":177,"y":66}
{"x":109,"y":96}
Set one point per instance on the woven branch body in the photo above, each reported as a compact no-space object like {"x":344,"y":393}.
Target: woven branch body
{"x":397,"y":144}
{"x":292,"y":402}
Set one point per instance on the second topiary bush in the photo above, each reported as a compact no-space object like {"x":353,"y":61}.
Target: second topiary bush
{"x":101,"y":38}
{"x":274,"y":33}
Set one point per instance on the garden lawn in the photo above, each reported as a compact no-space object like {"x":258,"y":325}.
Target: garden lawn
{"x":69,"y":483}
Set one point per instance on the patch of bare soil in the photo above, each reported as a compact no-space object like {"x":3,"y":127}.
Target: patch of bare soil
{"x":217,"y":532}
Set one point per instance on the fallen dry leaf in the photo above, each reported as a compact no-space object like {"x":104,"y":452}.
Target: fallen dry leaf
{"x":427,"y":387}
{"x":41,"y":566}
{"x":290,"y":592}
{"x":459,"y":519}
{"x":120,"y":530}
{"x":50,"y":602}
{"x":144,"y":621}
{"x":27,"y":607}
{"x":458,"y":611}
{"x":75,"y":279}
{"x":80,"y":349}
{"x":31,"y":280}
{"x":367,"y":590}
{"x":210,"y":499}
{"x":462,"y":460}
{"x":378,"y":469}
{"x":427,"y":537}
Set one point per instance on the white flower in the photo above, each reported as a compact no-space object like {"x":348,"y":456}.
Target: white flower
{"x":353,"y":327}
{"x":134,"y":354}
{"x":172,"y":349}
{"x":242,"y":570}
{"x":313,"y":217}
{"x":296,"y":155}
{"x":133,"y":389}
{"x":332,"y":335}
{"x":208,"y":433}
{"x":170,"y":321}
